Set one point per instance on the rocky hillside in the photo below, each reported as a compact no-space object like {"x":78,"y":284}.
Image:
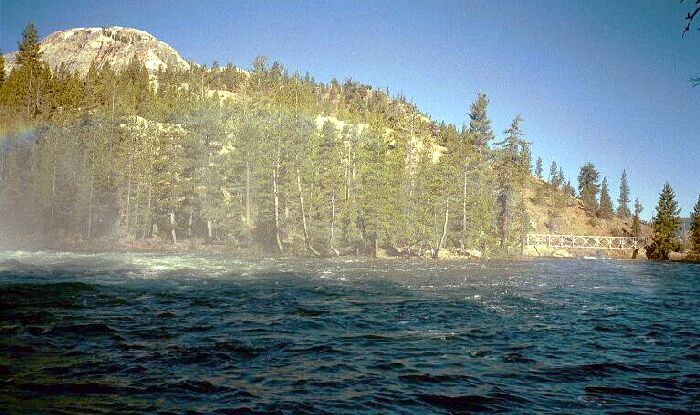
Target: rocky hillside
{"x":80,"y":48}
{"x":349,"y":111}
{"x":564,"y":214}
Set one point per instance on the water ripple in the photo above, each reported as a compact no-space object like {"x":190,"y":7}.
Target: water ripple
{"x":147,"y":333}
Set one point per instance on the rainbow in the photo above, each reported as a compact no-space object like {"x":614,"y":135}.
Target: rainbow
{"x":22,"y":132}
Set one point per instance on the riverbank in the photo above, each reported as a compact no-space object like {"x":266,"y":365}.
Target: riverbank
{"x":200,"y":246}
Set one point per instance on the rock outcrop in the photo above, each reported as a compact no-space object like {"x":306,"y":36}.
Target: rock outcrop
{"x":78,"y":49}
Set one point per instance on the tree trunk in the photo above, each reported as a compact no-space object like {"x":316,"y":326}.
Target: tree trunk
{"x":210,"y":228}
{"x":89,"y":219}
{"x":524,"y":225}
{"x":189,"y":223}
{"x":441,"y":242}
{"x":172,"y":227}
{"x":346,"y":178}
{"x":464,"y":212}
{"x":53,"y":197}
{"x":248,"y":218}
{"x":137,"y":209}
{"x":128,"y":197}
{"x":148,"y":229}
{"x":307,"y":241}
{"x":504,"y":220}
{"x":335,"y":251}
{"x":278,"y":238}
{"x":409,"y":162}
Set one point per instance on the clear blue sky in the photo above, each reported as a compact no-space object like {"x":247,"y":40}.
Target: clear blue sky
{"x":604,"y":81}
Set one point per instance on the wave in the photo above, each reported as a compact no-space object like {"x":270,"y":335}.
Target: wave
{"x":82,"y":329}
{"x":463,"y":404}
{"x":440,"y":378}
{"x":577,"y":373}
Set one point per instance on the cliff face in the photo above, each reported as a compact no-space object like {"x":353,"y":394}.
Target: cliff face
{"x":78,"y":49}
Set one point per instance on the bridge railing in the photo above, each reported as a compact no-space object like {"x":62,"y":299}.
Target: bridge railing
{"x":585,"y":241}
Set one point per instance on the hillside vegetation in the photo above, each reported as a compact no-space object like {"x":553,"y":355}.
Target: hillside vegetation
{"x":140,"y":156}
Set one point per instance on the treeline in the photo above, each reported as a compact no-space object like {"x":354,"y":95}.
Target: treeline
{"x":243,"y":158}
{"x":666,"y":225}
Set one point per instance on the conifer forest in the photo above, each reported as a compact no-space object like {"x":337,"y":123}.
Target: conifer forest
{"x":267,"y":160}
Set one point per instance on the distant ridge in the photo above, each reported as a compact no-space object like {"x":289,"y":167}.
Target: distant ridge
{"x":80,"y":48}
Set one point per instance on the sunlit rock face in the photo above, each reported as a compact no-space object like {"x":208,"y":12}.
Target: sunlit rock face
{"x":78,"y":49}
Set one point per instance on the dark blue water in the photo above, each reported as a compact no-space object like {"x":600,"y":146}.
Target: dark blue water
{"x":122,"y":334}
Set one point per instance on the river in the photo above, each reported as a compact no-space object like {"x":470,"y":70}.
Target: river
{"x":148,"y":333}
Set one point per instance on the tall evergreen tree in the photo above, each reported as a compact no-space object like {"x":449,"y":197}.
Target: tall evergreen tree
{"x":479,"y":122}
{"x":538,"y":167}
{"x":554,"y":179}
{"x":525,"y":158}
{"x":524,"y":174}
{"x":28,"y":53}
{"x":605,"y":210}
{"x":512,"y":174}
{"x":636,"y":221}
{"x":623,"y":200}
{"x":665,"y":225}
{"x":327,"y":162}
{"x":561,"y":179}
{"x":588,"y":187}
{"x":444,"y":187}
{"x":29,"y":83}
{"x":695,"y":231}
{"x":539,"y":189}
{"x":2,"y":69}
{"x":377,"y":193}
{"x":478,"y":178}
{"x":569,"y":189}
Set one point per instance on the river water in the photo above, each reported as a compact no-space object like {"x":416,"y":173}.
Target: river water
{"x":145,"y":333}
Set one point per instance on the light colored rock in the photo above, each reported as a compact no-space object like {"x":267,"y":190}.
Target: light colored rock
{"x":80,"y":48}
{"x":544,"y":251}
{"x":562,"y":253}
{"x":473,"y":253}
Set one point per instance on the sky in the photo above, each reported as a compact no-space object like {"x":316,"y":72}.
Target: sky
{"x":600,"y":81}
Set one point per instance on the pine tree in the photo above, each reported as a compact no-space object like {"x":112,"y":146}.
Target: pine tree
{"x":376,"y":193}
{"x":440,"y":187}
{"x":29,"y":53}
{"x":538,"y":167}
{"x":695,"y":231}
{"x":2,"y":69}
{"x":636,"y":222}
{"x":525,"y":158}
{"x":478,"y":178}
{"x":554,"y":175}
{"x":588,"y":187}
{"x":569,"y":189}
{"x":665,"y":225}
{"x":560,"y":176}
{"x":512,"y":174}
{"x":205,"y":124}
{"x":327,"y":162}
{"x":29,"y":84}
{"x":623,"y":200}
{"x":605,"y":209}
{"x":479,"y":122}
{"x":524,"y":174}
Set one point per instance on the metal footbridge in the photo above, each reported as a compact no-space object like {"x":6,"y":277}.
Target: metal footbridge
{"x":586,"y":241}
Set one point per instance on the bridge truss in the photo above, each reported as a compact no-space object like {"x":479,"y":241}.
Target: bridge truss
{"x":586,"y":241}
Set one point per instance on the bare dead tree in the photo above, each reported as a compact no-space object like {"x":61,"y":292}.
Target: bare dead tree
{"x":690,"y":17}
{"x":694,"y":80}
